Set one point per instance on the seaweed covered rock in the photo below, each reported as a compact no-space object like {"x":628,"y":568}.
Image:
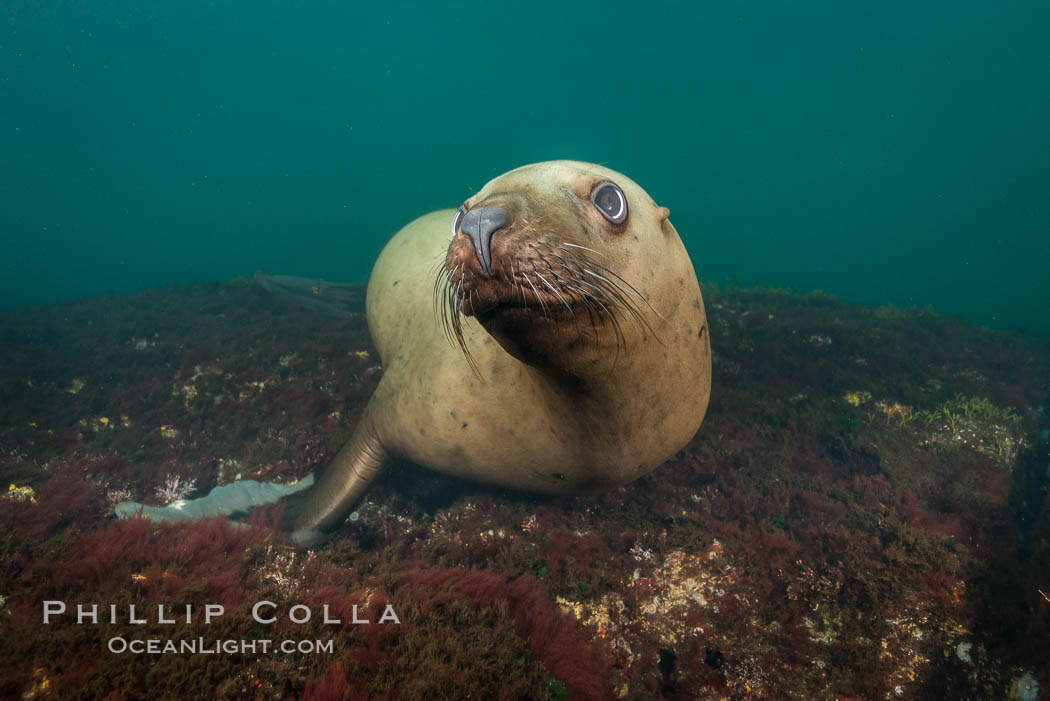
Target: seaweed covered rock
{"x":846,"y":524}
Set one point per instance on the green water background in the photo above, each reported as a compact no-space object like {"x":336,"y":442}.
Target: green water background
{"x":884,"y":152}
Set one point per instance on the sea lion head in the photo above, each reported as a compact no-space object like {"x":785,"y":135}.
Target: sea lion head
{"x":559,"y":262}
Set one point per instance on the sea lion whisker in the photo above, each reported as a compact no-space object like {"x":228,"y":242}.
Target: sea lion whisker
{"x":442,"y":309}
{"x":565,"y":263}
{"x":609,"y":294}
{"x":439,"y":279}
{"x":612,"y":299}
{"x":574,"y":278}
{"x":452,"y":319}
{"x":614,"y":274}
{"x":585,"y":299}
{"x":456,"y":304}
{"x":573,"y":294}
{"x":621,"y":340}
{"x":450,"y":316}
{"x":607,"y":310}
{"x":619,"y":294}
{"x":555,"y":291}
{"x":574,"y":245}
{"x":441,"y":288}
{"x":536,"y":292}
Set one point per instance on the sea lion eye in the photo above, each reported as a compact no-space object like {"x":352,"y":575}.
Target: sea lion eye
{"x":457,"y":218}
{"x":610,"y":201}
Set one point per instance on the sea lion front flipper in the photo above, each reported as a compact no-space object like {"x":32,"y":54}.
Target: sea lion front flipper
{"x":312,"y":515}
{"x":332,"y":298}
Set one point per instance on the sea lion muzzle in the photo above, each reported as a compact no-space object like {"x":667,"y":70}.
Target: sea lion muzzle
{"x":480,"y":224}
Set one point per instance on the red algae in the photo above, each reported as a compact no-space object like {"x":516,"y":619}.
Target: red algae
{"x":831,"y":532}
{"x":66,"y":500}
{"x":554,"y":638}
{"x":333,"y":685}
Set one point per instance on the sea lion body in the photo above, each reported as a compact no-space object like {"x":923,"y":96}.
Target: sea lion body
{"x":549,"y":335}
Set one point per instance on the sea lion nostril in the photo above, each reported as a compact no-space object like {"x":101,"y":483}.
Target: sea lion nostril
{"x":479,"y":224}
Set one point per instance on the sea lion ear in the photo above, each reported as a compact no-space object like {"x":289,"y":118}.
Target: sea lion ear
{"x":664,"y":213}
{"x":665,"y":224}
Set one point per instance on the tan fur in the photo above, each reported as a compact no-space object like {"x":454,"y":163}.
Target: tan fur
{"x":610,"y":417}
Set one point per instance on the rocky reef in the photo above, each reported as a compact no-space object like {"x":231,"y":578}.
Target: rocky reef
{"x":863,"y":515}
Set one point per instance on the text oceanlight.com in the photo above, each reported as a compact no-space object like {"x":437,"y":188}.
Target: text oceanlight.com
{"x":200,"y":646}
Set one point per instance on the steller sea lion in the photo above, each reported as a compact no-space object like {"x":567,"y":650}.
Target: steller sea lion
{"x":549,"y":335}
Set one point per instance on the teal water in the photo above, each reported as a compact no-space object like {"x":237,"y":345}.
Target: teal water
{"x":884,"y":152}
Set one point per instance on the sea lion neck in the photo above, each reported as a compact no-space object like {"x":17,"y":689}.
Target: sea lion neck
{"x":567,"y":353}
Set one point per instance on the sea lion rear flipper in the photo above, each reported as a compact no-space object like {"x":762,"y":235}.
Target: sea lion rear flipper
{"x":229,"y":499}
{"x":310,"y":516}
{"x":331,"y":298}
{"x":313,"y":507}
